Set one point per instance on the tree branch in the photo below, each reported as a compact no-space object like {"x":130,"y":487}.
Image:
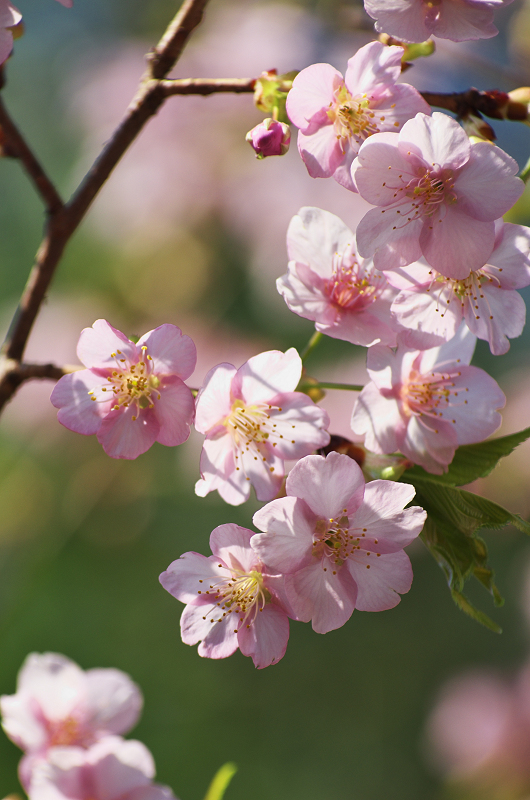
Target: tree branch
{"x":493,"y":104}
{"x":65,"y":219}
{"x":205,"y":86}
{"x":15,"y":146}
{"x":13,"y":374}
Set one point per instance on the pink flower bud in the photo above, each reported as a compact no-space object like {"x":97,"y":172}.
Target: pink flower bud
{"x":269,"y":138}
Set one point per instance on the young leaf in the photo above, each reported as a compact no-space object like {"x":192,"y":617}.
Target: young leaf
{"x":474,"y":461}
{"x":454,"y":517}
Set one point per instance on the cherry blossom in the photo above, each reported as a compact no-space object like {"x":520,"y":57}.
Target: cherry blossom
{"x":436,"y":196}
{"x":57,"y":703}
{"x":270,"y":138}
{"x":418,"y":20}
{"x":336,"y":114}
{"x":254,"y":421}
{"x":431,"y":307}
{"x":340,"y":543}
{"x":426,"y":404}
{"x":130,"y":395}
{"x":232,"y":600}
{"x":479,"y":732}
{"x":112,"y":769}
{"x":329,"y":283}
{"x":9,"y":17}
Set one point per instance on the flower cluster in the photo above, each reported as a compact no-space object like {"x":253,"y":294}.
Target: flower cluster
{"x":331,"y":545}
{"x":68,"y":722}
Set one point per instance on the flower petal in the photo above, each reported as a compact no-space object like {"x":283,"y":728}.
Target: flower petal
{"x":174,"y":410}
{"x":172,"y":352}
{"x":331,"y":487}
{"x":123,"y":437}
{"x":379,"y":585}
{"x":97,"y":344}
{"x":265,"y":639}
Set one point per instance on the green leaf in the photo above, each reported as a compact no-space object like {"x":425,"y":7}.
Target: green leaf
{"x":453,"y":518}
{"x":474,"y":461}
{"x":221,"y":781}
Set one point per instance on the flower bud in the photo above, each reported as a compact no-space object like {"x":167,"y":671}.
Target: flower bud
{"x":270,"y":93}
{"x":477,"y":128}
{"x":519,"y":104}
{"x":269,"y":138}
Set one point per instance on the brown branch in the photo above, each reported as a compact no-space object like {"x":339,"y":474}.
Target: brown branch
{"x":14,"y":145}
{"x":65,"y":219}
{"x":13,"y":374}
{"x":205,"y":86}
{"x":493,"y":104}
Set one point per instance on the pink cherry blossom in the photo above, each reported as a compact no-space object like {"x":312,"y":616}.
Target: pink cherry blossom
{"x":340,"y":543}
{"x":130,"y":395}
{"x":112,"y":769}
{"x":418,"y":20}
{"x":329,"y":283}
{"x":439,"y":196}
{"x":9,"y":16}
{"x":57,"y":703}
{"x":480,"y":733}
{"x":336,"y":115}
{"x":431,"y":307}
{"x":232,"y":600}
{"x":426,"y":404}
{"x":254,"y":421}
{"x":269,"y":138}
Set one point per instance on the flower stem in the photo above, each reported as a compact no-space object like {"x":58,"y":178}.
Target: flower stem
{"x":349,"y":387}
{"x":310,"y":346}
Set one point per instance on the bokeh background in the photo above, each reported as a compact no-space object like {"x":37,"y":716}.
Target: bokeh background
{"x":190,"y":229}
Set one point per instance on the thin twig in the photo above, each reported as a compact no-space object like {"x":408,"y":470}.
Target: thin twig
{"x":15,"y":146}
{"x":205,"y":86}
{"x":13,"y":374}
{"x":64,"y":220}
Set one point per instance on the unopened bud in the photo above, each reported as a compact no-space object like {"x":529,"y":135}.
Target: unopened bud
{"x":519,"y":104}
{"x":311,"y":387}
{"x":477,"y":128}
{"x":269,"y":138}
{"x":270,"y":93}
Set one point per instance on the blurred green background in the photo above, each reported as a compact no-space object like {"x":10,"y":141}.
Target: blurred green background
{"x":191,"y":230}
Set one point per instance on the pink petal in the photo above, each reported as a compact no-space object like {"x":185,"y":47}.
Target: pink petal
{"x":289,"y":525}
{"x":219,"y":639}
{"x":393,"y":244}
{"x":488,"y":166}
{"x":512,"y":255}
{"x":458,"y":350}
{"x":266,"y":638}
{"x":96,"y":345}
{"x":303,"y":298}
{"x":433,"y":448}
{"x":378,"y":158}
{"x":437,"y":139}
{"x":174,"y":410}
{"x":121,"y":437}
{"x":378,"y":586}
{"x":171,"y":351}
{"x":119,"y":767}
{"x":213,"y":401}
{"x":379,"y":419}
{"x":383,"y":514}
{"x":473,"y":412}
{"x":429,"y":316}
{"x":404,"y":19}
{"x":321,"y":151}
{"x":189,"y":577}
{"x":268,"y":374}
{"x":231,"y":544}
{"x":331,"y":487}
{"x":6,"y":44}
{"x":373,"y":64}
{"x":501,"y":313}
{"x":9,"y":15}
{"x":465,"y":21}
{"x":300,"y":426}
{"x":219,"y":472}
{"x":312,"y":92}
{"x":264,"y":470}
{"x":77,"y":410}
{"x":313,"y":238}
{"x":329,"y":599}
{"x":455,"y":244}
{"x":114,"y":702}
